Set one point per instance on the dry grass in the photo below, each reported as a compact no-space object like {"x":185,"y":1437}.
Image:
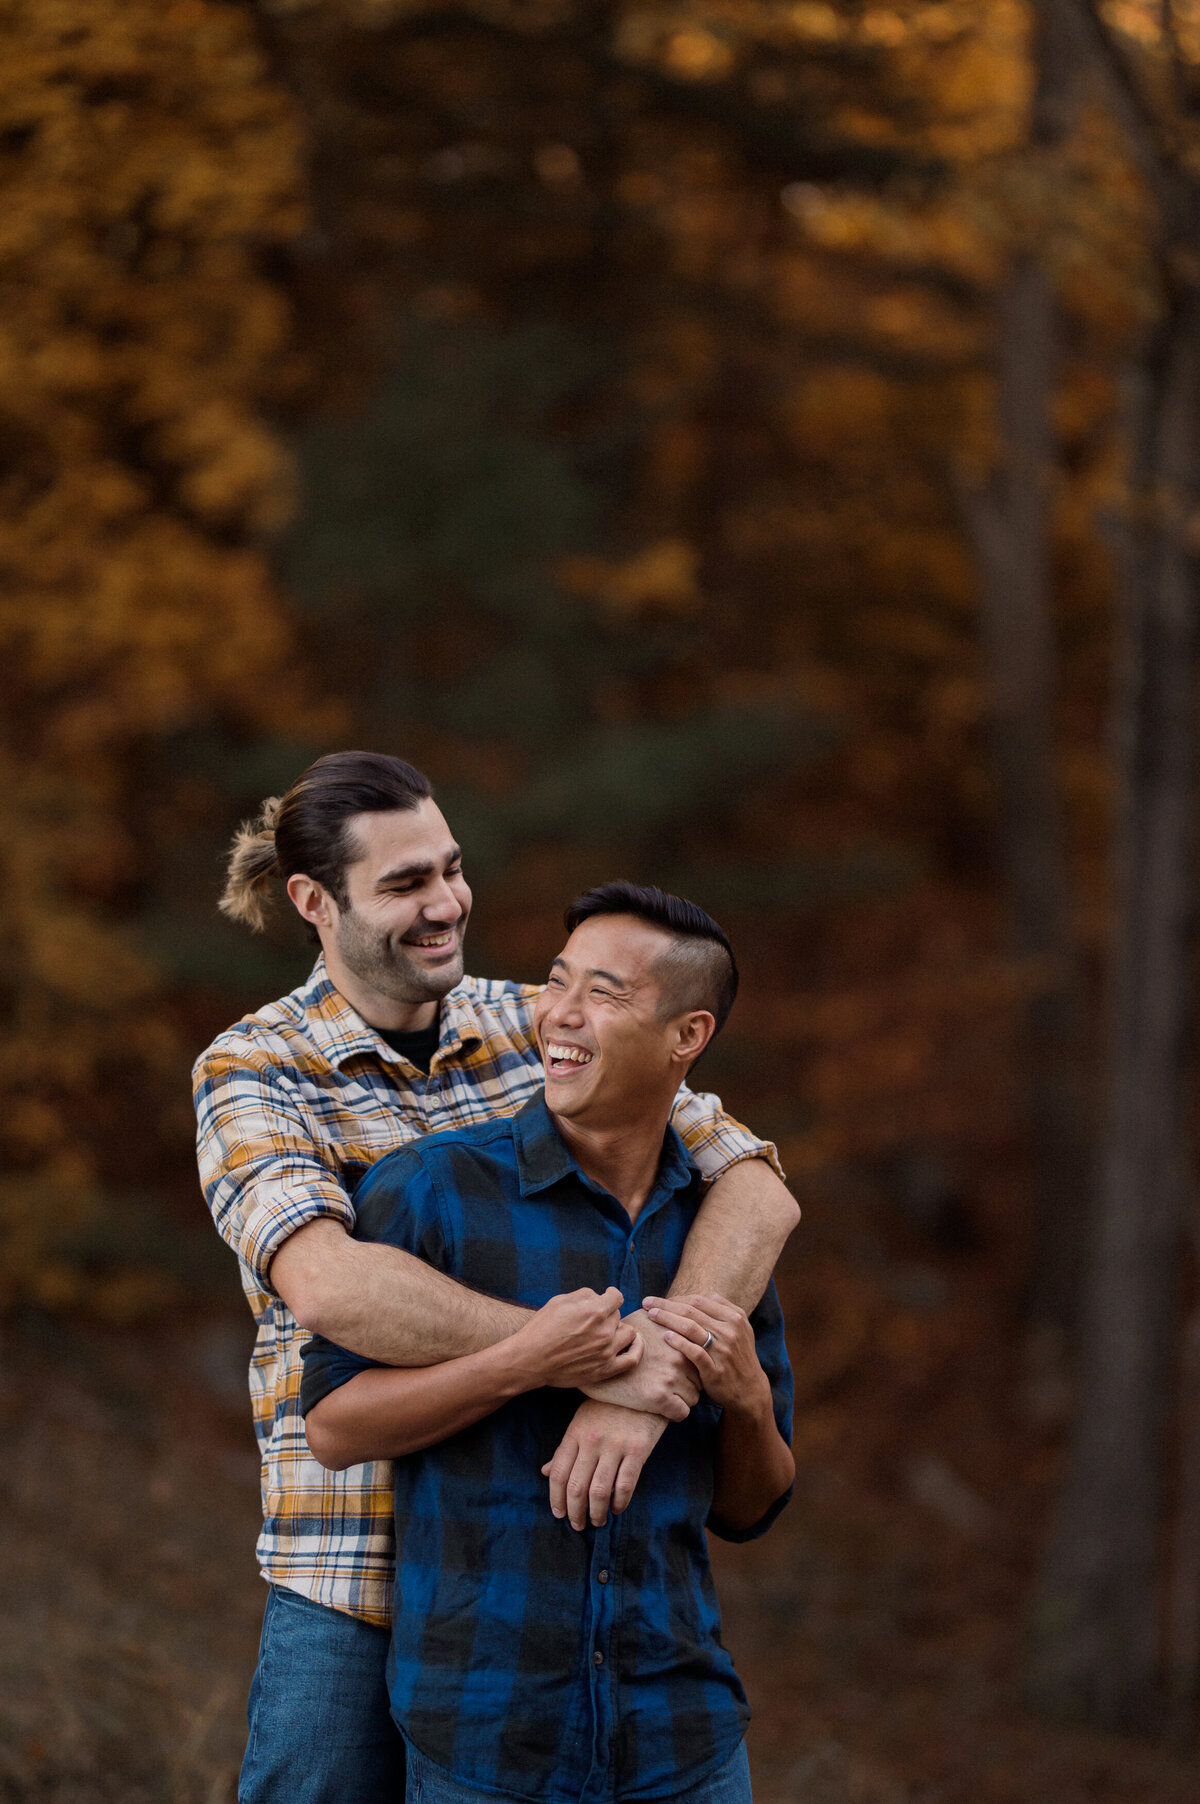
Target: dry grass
{"x":130,"y":1598}
{"x":877,"y":1627}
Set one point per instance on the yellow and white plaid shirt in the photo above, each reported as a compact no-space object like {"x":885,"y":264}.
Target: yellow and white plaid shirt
{"x":293,"y":1104}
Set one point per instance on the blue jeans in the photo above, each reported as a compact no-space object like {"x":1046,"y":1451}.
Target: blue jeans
{"x":320,"y":1729}
{"x":429,"y":1784}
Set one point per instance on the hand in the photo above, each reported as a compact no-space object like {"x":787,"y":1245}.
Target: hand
{"x":578,"y":1338}
{"x":727,"y":1367}
{"x":664,"y":1383}
{"x":599,"y":1461}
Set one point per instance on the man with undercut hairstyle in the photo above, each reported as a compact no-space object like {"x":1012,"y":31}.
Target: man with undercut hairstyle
{"x":531,"y":1662}
{"x":386,"y":1041}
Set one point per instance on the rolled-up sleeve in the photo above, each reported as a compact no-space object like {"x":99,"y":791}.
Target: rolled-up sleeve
{"x":260,"y":1160}
{"x":713,"y":1138}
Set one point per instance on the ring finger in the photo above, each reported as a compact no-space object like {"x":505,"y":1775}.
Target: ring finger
{"x":686,"y":1325}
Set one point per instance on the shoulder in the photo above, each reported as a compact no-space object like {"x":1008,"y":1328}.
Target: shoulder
{"x":453,"y":1166}
{"x":270,"y":1038}
{"x":448,"y":1153}
{"x":500,"y":996}
{"x":444,"y":1160}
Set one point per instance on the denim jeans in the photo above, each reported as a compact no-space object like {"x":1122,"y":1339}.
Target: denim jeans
{"x":320,"y":1729}
{"x":429,"y":1784}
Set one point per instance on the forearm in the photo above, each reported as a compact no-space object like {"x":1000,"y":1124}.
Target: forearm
{"x":390,"y":1411}
{"x":737,"y":1235}
{"x":383,"y":1303}
{"x":754,"y":1466}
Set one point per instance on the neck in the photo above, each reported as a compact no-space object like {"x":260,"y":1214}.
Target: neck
{"x":623,"y":1158}
{"x":379,"y":1011}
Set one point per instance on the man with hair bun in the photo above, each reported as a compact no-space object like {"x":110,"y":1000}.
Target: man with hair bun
{"x":387,"y":1041}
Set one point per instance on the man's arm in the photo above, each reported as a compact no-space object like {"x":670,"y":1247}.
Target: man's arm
{"x":393,"y":1308}
{"x":754,"y":1468}
{"x":731,"y":1249}
{"x":385,"y":1412}
{"x":382,"y":1302}
{"x":738,"y":1235}
{"x":734,"y":1241}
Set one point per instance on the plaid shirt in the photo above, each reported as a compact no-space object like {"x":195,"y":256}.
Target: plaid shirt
{"x":293,"y":1104}
{"x":527,"y":1658}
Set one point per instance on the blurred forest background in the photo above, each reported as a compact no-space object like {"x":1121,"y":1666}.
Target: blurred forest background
{"x":747,"y":444}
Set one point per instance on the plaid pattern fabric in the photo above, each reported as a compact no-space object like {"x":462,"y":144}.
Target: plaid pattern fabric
{"x":293,"y":1104}
{"x":527,"y":1658}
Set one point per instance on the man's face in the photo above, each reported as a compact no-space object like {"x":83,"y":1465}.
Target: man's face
{"x":606,"y":1050}
{"x":401,"y":931}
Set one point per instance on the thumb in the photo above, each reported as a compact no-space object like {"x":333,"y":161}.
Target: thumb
{"x":612,"y":1297}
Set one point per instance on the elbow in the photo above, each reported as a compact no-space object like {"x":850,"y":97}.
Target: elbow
{"x":325,"y":1444}
{"x":308,"y":1307}
{"x":305,"y":1295}
{"x":789,"y":1212}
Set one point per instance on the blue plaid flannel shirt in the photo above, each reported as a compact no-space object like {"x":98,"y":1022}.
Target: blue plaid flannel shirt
{"x":528,"y":1658}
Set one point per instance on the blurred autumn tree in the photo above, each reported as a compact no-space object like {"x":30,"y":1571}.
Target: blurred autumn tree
{"x":720,"y":395}
{"x":148,"y":166}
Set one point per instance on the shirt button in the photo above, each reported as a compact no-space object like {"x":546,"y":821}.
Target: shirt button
{"x":602,"y":1575}
{"x":597,"y":1658}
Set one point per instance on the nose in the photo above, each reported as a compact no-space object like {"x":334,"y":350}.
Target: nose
{"x":443,"y":907}
{"x":566,"y":1010}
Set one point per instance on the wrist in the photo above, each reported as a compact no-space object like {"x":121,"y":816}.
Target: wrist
{"x":519,"y":1366}
{"x":752,"y":1406}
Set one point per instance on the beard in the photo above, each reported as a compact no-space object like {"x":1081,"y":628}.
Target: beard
{"x":390,"y":968}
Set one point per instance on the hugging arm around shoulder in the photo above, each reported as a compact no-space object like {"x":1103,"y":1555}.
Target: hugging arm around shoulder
{"x":748,"y":1212}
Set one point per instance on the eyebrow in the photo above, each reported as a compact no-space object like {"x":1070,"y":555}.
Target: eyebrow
{"x":426,"y":868}
{"x":622,"y":983}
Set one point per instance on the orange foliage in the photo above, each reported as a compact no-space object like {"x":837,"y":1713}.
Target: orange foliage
{"x":147,"y":164}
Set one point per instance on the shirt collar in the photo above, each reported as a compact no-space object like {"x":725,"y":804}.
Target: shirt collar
{"x":543,"y":1156}
{"x":339,"y":1032}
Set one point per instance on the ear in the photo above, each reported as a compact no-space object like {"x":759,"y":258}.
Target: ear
{"x":693,"y":1031}
{"x":312,"y":902}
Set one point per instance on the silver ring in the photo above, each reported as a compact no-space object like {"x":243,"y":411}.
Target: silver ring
{"x":708,"y":1343}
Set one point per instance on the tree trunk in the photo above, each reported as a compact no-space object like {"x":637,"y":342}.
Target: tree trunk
{"x":1010,"y":527}
{"x":1009,"y":521}
{"x":1096,"y":1627}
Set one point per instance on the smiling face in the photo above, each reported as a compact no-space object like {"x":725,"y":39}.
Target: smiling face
{"x":611,"y":1055}
{"x":399,"y":938}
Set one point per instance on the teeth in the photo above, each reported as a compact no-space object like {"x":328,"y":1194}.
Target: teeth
{"x":575,"y":1054}
{"x":440,"y":939}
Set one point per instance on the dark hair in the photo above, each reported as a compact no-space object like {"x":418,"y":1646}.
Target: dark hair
{"x":307,"y":830}
{"x":700,"y":971}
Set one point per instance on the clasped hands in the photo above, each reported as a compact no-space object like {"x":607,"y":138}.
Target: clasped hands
{"x":640,"y":1372}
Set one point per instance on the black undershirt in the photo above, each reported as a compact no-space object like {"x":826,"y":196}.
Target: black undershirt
{"x":419,"y":1047}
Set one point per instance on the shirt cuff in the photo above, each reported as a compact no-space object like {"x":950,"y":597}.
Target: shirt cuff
{"x":715,"y":1159}
{"x":269,"y":1223}
{"x":756,"y":1528}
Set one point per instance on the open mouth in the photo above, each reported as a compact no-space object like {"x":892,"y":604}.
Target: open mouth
{"x":435,"y":946}
{"x":434,"y":942}
{"x":562,"y":1058}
